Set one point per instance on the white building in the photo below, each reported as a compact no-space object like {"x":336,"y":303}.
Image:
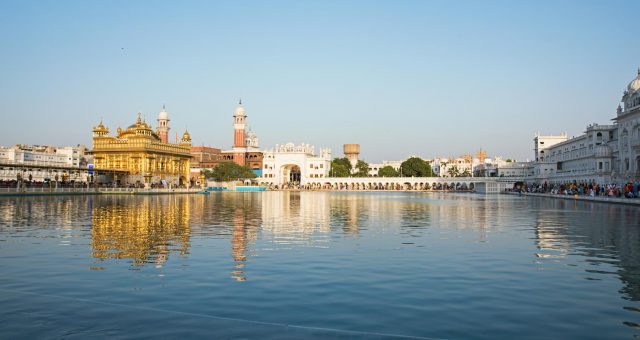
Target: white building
{"x":40,"y":163}
{"x":626,"y":139}
{"x":291,"y":164}
{"x":375,"y":167}
{"x":603,"y":154}
{"x":515,"y":169}
{"x":43,"y":155}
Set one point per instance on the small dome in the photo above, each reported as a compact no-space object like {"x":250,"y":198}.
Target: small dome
{"x":163,"y":115}
{"x":186,"y":137}
{"x":240,"y":111}
{"x":634,"y":85}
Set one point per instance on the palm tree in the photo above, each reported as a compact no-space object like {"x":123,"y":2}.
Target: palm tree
{"x":453,"y":171}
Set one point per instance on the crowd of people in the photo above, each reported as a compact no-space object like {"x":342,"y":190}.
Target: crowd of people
{"x":628,"y":190}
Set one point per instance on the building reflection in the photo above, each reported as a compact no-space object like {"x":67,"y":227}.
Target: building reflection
{"x":142,"y":229}
{"x":290,"y":218}
{"x":67,"y":213}
{"x":230,"y":215}
{"x":607,"y":236}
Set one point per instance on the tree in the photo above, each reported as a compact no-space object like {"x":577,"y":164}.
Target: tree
{"x":229,"y":171}
{"x":415,"y":167}
{"x":340,"y":167}
{"x":465,"y":173}
{"x":453,"y":171}
{"x":362,"y":169}
{"x":387,"y":171}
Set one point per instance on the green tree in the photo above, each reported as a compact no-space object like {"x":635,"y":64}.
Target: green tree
{"x":465,"y":173}
{"x":415,"y":167}
{"x":362,"y":169}
{"x":453,"y":171}
{"x":340,"y":167}
{"x":387,"y":171}
{"x":229,"y":171}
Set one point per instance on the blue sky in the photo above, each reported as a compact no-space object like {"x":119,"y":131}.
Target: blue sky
{"x":400,"y":78}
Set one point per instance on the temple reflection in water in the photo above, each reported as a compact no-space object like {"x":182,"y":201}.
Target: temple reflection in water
{"x":151,"y":229}
{"x":143,"y":229}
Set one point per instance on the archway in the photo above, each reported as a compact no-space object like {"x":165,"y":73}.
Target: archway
{"x":291,"y":173}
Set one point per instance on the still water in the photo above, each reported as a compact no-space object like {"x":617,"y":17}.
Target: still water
{"x":318,"y":265}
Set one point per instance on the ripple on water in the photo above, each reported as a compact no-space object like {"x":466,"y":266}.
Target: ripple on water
{"x":317,"y":265}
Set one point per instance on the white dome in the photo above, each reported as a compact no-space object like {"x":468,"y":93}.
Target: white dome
{"x":634,"y":85}
{"x":239,"y":111}
{"x":163,"y":114}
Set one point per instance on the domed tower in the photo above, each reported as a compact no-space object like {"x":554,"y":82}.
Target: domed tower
{"x":252,"y":140}
{"x":186,"y":138}
{"x":163,"y":125}
{"x":100,"y":131}
{"x":631,"y":96}
{"x":239,"y":126}
{"x":239,"y":137}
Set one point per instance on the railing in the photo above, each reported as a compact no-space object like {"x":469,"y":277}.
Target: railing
{"x":45,"y":190}
{"x":95,"y":190}
{"x":40,"y":164}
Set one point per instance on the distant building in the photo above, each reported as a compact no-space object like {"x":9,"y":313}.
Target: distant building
{"x":294,"y":164}
{"x":39,"y":163}
{"x":204,"y":157}
{"x":375,"y":167}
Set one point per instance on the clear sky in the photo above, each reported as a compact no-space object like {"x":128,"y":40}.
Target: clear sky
{"x":400,"y":78}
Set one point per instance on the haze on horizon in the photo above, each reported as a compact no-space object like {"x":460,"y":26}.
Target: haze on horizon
{"x":400,"y":78}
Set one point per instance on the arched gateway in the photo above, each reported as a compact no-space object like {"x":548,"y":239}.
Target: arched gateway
{"x":291,"y":173}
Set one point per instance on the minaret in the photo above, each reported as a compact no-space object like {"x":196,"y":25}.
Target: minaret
{"x":239,"y":141}
{"x":163,"y":125}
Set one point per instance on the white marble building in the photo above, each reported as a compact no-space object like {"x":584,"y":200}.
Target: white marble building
{"x":294,"y":164}
{"x":626,"y":138}
{"x":603,"y":154}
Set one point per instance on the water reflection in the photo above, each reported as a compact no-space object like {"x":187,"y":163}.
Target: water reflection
{"x":141,"y":229}
{"x":603,"y":235}
{"x":456,"y":241}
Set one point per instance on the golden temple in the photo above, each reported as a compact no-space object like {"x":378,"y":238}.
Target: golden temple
{"x":141,"y":154}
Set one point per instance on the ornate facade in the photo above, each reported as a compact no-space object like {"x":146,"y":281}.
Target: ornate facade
{"x":291,"y":164}
{"x":603,"y":154}
{"x":142,"y":154}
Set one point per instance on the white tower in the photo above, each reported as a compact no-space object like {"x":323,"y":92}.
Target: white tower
{"x":163,"y":125}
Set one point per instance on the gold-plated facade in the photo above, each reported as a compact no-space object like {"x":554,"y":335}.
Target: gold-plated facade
{"x":143,"y":230}
{"x":139,"y":151}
